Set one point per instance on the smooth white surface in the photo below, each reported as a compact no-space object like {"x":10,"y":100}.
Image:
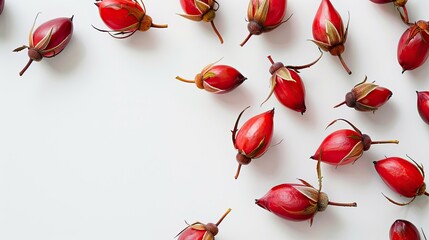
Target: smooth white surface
{"x":102,"y":142}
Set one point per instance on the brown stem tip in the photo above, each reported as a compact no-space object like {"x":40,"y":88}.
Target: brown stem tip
{"x":344,"y":64}
{"x":223,"y":216}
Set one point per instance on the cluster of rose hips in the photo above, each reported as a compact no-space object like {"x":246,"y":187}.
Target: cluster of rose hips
{"x":292,"y":201}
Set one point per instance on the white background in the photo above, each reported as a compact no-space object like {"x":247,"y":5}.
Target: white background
{"x":102,"y":142}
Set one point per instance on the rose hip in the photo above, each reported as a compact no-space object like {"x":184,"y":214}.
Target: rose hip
{"x":217,"y":78}
{"x":125,"y":17}
{"x":366,"y":97}
{"x":199,"y":231}
{"x":403,"y":177}
{"x":48,"y":40}
{"x":413,"y":46}
{"x":345,"y":146}
{"x":298,"y":202}
{"x":403,"y":230}
{"x":287,"y":85}
{"x":264,"y":16}
{"x":328,"y":31}
{"x":254,"y":137}
{"x":423,"y":105}
{"x":399,"y":4}
{"x":201,"y":10}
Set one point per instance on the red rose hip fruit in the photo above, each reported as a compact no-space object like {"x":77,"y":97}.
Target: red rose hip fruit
{"x":328,"y":31}
{"x":423,"y":105}
{"x":201,"y":10}
{"x":403,"y":177}
{"x":345,"y":146}
{"x":287,"y":85}
{"x":413,"y":46}
{"x":366,"y":97}
{"x":253,"y":138}
{"x":217,"y":78}
{"x":125,"y":17}
{"x":403,"y":230}
{"x":199,"y":231}
{"x":298,"y":202}
{"x":264,"y":16}
{"x":48,"y":40}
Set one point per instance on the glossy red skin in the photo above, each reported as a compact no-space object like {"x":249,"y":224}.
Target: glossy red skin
{"x":118,"y":19}
{"x":377,"y":98}
{"x":192,"y":234}
{"x":1,"y":6}
{"x":226,"y":78}
{"x":276,"y":11}
{"x":291,"y":94}
{"x":423,"y":105}
{"x":62,"y":28}
{"x":189,"y":7}
{"x":403,"y":230}
{"x":326,"y":12}
{"x":400,"y":175}
{"x":412,"y":53}
{"x":253,"y":132}
{"x":336,"y":146}
{"x":287,"y":202}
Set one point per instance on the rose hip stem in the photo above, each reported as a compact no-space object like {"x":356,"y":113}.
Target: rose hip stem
{"x":223,"y":217}
{"x":296,"y":68}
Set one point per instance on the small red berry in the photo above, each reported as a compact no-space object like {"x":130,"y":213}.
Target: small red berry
{"x":413,"y":46}
{"x":287,"y":85}
{"x":298,"y":202}
{"x":264,"y":16}
{"x":48,"y":40}
{"x":423,"y":105}
{"x":253,"y":138}
{"x":403,"y":230}
{"x":399,"y":4}
{"x":217,"y":78}
{"x":328,"y":31}
{"x":345,"y":146}
{"x":200,"y":231}
{"x":201,"y":10}
{"x":366,"y":97}
{"x":125,"y":17}
{"x":403,"y":177}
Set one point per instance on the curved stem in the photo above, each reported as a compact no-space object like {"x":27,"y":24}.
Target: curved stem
{"x":340,"y":104}
{"x":271,"y":59}
{"x":427,"y":194}
{"x":245,"y":40}
{"x":26,"y":67}
{"x":384,"y":142}
{"x":307,"y":65}
{"x":344,"y":64}
{"x":353,"y":204}
{"x":238,"y":171}
{"x":185,"y":80}
{"x":154,"y":25}
{"x":217,"y":32}
{"x":223,"y":217}
{"x":404,"y":16}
